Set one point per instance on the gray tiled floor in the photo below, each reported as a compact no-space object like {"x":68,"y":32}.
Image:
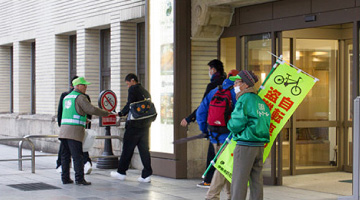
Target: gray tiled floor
{"x":105,"y":187}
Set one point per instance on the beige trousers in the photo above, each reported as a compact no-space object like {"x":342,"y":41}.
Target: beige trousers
{"x":218,"y":182}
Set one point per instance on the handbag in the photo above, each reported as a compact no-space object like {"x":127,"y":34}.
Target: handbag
{"x":144,"y":109}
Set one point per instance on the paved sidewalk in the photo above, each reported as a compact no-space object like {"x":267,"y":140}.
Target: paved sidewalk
{"x":105,"y":187}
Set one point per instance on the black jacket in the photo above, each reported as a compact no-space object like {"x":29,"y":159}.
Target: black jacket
{"x":216,"y":79}
{"x":60,"y":108}
{"x":135,"y":93}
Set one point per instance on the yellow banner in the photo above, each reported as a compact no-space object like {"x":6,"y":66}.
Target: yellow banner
{"x":225,"y":161}
{"x":283,"y":92}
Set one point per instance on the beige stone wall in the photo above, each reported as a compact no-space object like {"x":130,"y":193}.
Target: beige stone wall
{"x":201,"y":53}
{"x":49,"y":24}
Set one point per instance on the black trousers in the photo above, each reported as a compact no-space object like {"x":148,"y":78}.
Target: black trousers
{"x":86,"y":158}
{"x":210,"y":156}
{"x":135,"y":137}
{"x":72,"y":148}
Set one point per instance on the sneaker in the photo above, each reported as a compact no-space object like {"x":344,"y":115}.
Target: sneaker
{"x":87,"y":168}
{"x":117,"y":175}
{"x":59,"y":169}
{"x":144,"y":180}
{"x":203,"y":184}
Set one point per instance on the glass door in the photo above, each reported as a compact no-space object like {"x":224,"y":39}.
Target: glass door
{"x":348,"y":57}
{"x":256,"y":56}
{"x":315,"y":119}
{"x":320,"y":133}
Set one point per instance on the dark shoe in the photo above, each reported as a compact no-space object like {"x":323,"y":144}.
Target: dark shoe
{"x":69,"y":181}
{"x":83,"y":182}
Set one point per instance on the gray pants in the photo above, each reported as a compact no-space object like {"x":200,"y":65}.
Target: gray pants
{"x":248,"y":164}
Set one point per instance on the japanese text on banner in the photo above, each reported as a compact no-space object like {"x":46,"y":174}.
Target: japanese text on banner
{"x":283,"y":92}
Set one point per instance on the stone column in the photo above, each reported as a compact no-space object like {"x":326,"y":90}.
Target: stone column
{"x":61,"y":66}
{"x":5,"y":78}
{"x":22,"y":77}
{"x":88,"y":60}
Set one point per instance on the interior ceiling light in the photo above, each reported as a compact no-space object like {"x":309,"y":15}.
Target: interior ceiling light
{"x":320,"y":53}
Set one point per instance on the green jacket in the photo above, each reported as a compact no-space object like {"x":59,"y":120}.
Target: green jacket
{"x":250,"y":121}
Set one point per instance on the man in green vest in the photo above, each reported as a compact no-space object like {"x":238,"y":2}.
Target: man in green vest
{"x":75,"y":108}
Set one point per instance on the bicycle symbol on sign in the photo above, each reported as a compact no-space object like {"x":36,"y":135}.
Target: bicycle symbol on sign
{"x":295,"y":90}
{"x":109,"y":101}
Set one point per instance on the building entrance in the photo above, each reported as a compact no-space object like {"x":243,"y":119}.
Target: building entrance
{"x":313,"y":142}
{"x":318,"y":137}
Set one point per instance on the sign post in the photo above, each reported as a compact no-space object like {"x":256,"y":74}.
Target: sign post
{"x":107,"y":101}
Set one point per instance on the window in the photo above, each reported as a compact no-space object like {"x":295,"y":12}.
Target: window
{"x":105,"y":59}
{"x":11,"y":79}
{"x":72,"y":57}
{"x":140,"y":61}
{"x":33,"y":95}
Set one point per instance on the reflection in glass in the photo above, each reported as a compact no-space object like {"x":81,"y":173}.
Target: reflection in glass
{"x":259,"y":58}
{"x":318,"y":58}
{"x":316,"y":147}
{"x":228,"y":53}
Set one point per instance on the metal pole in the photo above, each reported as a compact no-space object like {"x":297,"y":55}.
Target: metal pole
{"x":356,"y":151}
{"x":110,"y":162}
{"x":20,"y":155}
{"x":32,"y":156}
{"x":356,"y":148}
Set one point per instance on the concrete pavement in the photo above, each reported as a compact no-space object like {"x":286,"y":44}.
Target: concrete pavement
{"x":105,"y":187}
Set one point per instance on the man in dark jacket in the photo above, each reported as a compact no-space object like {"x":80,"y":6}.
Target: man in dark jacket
{"x":134,"y":135}
{"x":87,"y":160}
{"x":217,"y":76}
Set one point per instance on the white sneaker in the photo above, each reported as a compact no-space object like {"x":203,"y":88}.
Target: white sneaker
{"x":87,"y":168}
{"x":59,"y":169}
{"x":144,"y":180}
{"x":117,"y":175}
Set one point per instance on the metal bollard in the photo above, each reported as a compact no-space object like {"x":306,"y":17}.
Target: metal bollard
{"x":356,"y":152}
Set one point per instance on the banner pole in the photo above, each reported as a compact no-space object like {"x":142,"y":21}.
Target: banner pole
{"x":227,"y":140}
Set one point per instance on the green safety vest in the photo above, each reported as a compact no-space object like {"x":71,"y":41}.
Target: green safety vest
{"x":69,"y":114}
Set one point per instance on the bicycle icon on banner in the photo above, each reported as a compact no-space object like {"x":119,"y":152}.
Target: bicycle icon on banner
{"x":295,"y":90}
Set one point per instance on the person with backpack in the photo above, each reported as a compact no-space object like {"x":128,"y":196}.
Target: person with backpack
{"x":217,"y":76}
{"x":212,"y":117}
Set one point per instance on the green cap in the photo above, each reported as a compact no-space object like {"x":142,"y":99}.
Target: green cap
{"x":80,"y":81}
{"x":233,"y":78}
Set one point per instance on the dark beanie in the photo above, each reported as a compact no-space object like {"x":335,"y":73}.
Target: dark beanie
{"x":248,"y":77}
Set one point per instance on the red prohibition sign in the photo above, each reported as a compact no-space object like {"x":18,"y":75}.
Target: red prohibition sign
{"x":108,"y":101}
